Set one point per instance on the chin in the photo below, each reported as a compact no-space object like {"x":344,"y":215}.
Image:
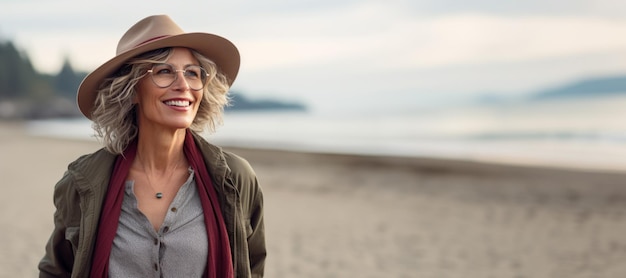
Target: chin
{"x":183,"y":124}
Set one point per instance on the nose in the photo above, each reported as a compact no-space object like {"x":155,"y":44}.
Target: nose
{"x":180,"y":83}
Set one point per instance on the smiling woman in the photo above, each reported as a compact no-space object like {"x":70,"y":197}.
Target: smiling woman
{"x":157,"y":183}
{"x":112,"y":126}
{"x":173,"y":106}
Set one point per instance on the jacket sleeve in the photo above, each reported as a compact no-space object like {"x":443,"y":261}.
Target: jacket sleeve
{"x":256,"y":240}
{"x":252,"y":206}
{"x":59,"y":255}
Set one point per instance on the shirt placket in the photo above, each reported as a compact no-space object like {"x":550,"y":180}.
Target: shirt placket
{"x":166,"y":228}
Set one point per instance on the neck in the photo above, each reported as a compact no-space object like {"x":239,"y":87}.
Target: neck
{"x":160,"y":150}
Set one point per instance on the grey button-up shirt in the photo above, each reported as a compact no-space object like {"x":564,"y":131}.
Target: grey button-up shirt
{"x":177,"y":249}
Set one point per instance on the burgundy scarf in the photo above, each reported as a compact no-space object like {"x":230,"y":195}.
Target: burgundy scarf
{"x":219,"y":263}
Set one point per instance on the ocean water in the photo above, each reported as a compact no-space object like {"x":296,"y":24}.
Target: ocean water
{"x":585,"y":133}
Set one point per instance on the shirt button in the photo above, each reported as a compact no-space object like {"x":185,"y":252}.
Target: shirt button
{"x":166,"y":229}
{"x":156,"y":267}
{"x":174,"y":209}
{"x":156,"y":241}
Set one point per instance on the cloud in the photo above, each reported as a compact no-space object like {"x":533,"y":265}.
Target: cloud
{"x":470,"y":38}
{"x":390,"y":38}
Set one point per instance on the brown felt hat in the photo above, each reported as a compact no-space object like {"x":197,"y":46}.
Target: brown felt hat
{"x":152,"y":33}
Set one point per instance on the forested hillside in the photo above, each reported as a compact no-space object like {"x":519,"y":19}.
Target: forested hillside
{"x":26,"y":93}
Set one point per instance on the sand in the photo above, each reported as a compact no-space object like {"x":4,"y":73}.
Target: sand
{"x":366,"y":216}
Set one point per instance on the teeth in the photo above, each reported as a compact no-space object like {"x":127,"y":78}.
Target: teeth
{"x":180,"y":103}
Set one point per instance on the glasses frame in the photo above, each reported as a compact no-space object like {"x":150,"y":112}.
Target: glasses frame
{"x":176,"y":71}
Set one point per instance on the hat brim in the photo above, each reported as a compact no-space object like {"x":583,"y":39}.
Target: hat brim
{"x":218,"y":49}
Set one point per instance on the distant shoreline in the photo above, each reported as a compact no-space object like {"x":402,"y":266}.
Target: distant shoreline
{"x":442,"y":163}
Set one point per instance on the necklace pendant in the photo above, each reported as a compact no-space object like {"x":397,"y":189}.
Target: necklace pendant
{"x":159,"y":195}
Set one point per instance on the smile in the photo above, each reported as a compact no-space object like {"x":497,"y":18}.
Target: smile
{"x":178,"y":103}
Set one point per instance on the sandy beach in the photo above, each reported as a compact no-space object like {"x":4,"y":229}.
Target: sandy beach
{"x":363,"y":216}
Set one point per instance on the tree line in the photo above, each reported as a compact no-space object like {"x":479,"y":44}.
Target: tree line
{"x":27,"y":93}
{"x":20,"y":80}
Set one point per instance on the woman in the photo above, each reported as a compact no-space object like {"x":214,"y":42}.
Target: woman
{"x":158,"y":200}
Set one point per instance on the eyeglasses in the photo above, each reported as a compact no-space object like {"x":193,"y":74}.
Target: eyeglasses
{"x":164,"y":75}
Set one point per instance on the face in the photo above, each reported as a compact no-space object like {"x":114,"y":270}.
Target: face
{"x":173,"y":107}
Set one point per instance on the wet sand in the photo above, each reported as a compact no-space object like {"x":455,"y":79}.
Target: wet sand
{"x":333,"y":215}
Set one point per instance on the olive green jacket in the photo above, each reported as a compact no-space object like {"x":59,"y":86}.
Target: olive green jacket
{"x":80,"y":194}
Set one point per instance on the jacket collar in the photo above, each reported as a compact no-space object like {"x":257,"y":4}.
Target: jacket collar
{"x":96,"y":168}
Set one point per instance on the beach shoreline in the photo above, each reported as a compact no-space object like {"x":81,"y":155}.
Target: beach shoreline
{"x":340,"y":215}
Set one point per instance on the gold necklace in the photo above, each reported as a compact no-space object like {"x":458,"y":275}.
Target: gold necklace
{"x":159,"y":195}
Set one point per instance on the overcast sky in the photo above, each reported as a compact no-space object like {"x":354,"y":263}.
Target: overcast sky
{"x":399,"y":53}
